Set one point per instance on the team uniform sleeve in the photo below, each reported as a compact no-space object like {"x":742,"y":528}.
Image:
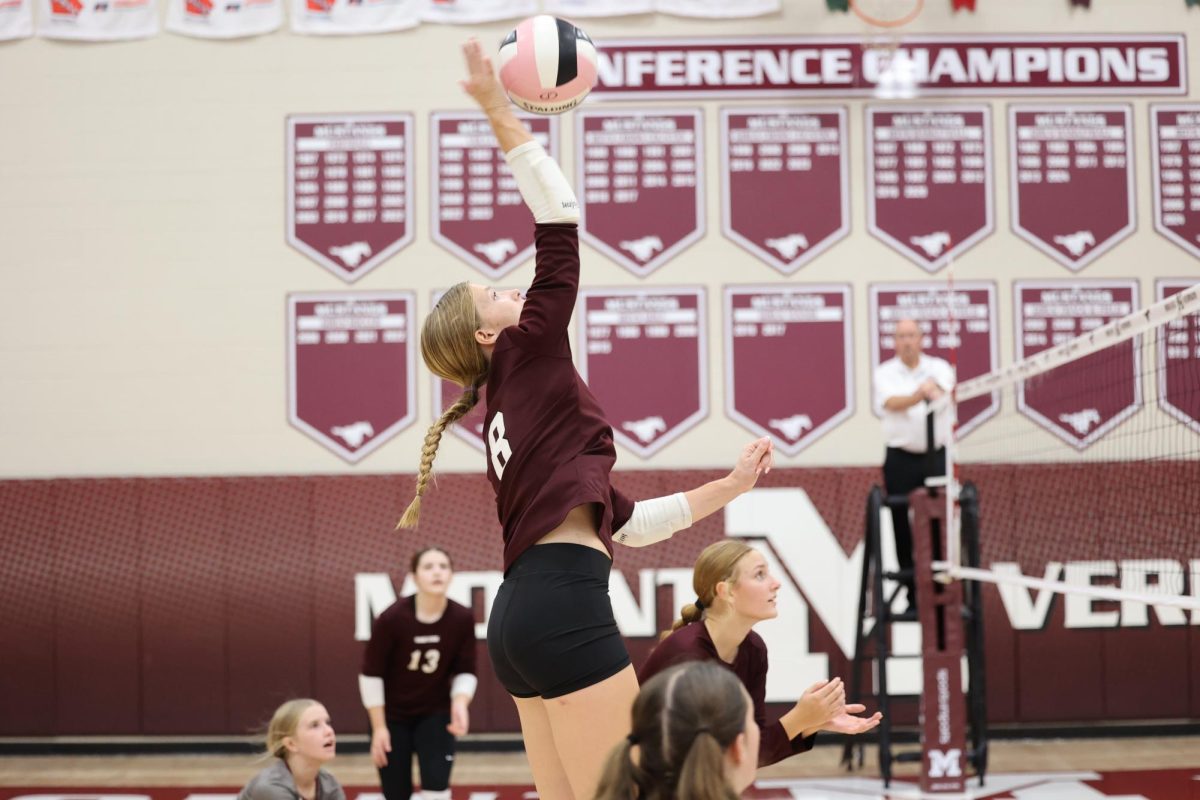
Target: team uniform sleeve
{"x":774,"y":745}
{"x":379,"y":649}
{"x":550,"y":301}
{"x":622,"y":508}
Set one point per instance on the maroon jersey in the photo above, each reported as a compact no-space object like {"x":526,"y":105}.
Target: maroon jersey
{"x":417,"y":660}
{"x":692,"y":643}
{"x":549,"y":446}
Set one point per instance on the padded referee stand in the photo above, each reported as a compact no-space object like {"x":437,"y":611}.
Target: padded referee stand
{"x":951,"y":618}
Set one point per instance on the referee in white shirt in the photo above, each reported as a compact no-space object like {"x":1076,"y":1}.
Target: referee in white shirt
{"x":904,"y":387}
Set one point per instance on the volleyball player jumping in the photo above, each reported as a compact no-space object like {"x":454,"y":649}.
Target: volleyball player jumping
{"x":552,"y":637}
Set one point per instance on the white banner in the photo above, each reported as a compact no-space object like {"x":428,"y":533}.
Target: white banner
{"x":224,"y":19}
{"x":717,"y":8}
{"x":98,"y":20}
{"x":469,"y":11}
{"x":334,"y":17}
{"x":597,"y":8}
{"x":16,"y":19}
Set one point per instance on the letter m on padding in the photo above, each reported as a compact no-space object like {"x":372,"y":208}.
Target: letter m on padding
{"x":945,"y":764}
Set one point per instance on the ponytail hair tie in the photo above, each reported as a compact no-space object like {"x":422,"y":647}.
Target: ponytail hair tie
{"x":632,"y":738}
{"x":699,"y":604}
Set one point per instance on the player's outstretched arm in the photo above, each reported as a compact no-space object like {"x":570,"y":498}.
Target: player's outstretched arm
{"x":484,"y":88}
{"x":657,"y":519}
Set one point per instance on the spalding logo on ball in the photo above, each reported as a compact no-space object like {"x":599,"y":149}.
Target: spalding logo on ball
{"x":547,"y":65}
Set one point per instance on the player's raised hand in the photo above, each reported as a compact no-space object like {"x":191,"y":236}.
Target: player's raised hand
{"x":481,"y":82}
{"x":756,"y":459}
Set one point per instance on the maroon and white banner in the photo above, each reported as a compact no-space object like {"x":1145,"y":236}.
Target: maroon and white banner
{"x":959,"y":325}
{"x":787,"y":66}
{"x":337,"y":17}
{"x":349,"y":189}
{"x":478,"y":213}
{"x":789,"y":361}
{"x":16,"y":19}
{"x":224,"y":19}
{"x":643,"y":353}
{"x":642,"y":175}
{"x":1069,"y":401}
{"x":717,"y":8}
{"x":1071,"y":179}
{"x":570,"y":9}
{"x":350,"y":368}
{"x":97,"y":20}
{"x":929,"y":180}
{"x":461,"y":12}
{"x":1179,"y":359}
{"x":785,"y":196}
{"x":1175,"y":158}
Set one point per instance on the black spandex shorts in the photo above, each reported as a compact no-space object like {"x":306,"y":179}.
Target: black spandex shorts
{"x":551,"y":631}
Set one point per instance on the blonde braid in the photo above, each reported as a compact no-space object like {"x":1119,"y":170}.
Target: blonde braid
{"x":461,"y":407}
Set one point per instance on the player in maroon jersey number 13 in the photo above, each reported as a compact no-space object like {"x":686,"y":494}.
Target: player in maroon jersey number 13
{"x":552,"y":638}
{"x":418,"y":677}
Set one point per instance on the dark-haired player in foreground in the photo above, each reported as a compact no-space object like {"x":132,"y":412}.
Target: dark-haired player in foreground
{"x":418,"y":677}
{"x":552,"y":637}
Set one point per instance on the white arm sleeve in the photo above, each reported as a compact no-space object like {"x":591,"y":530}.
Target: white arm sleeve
{"x":371,"y":690}
{"x":655,"y":520}
{"x":464,"y":683}
{"x":542,"y":184}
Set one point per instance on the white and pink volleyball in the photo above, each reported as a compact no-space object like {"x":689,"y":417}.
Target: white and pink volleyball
{"x":547,"y":65}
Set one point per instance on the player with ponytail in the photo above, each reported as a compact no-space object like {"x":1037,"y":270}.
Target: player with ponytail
{"x":734,"y":591}
{"x":693,"y":736}
{"x":552,"y":637}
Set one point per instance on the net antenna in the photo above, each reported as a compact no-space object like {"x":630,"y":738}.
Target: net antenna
{"x":886,"y":67}
{"x":1089,"y":477}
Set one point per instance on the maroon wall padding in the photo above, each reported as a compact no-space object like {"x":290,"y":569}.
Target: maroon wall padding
{"x":196,"y":605}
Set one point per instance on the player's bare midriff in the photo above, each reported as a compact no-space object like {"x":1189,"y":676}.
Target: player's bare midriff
{"x":578,"y":527}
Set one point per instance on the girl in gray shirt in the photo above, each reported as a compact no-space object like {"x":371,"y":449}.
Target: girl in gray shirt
{"x":300,"y":740}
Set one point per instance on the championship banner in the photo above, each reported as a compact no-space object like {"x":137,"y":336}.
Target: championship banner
{"x":845,"y":66}
{"x":643,"y":184}
{"x":224,"y":19}
{"x":643,"y":355}
{"x":478,"y":213}
{"x":784,"y":193}
{"x":351,"y":368}
{"x":337,"y":17}
{"x":1048,"y":313}
{"x":1175,"y":160}
{"x":1071,"y":179}
{"x":97,"y":20}
{"x":571,"y":9}
{"x":460,"y":12}
{"x":349,"y":189}
{"x":929,"y":180}
{"x":959,"y":325}
{"x":16,"y":19}
{"x":777,"y":339}
{"x":717,"y":9}
{"x":1179,"y":360}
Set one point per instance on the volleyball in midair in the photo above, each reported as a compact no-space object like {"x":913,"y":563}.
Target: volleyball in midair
{"x":547,"y":65}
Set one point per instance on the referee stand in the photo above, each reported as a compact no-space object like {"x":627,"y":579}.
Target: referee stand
{"x":953,"y":730}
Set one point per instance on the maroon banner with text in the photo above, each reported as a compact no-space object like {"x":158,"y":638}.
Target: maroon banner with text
{"x":808,"y":329}
{"x":1071,"y":184}
{"x":643,"y":354}
{"x":349,"y":189}
{"x":350,"y":368}
{"x":1179,"y":359}
{"x":929,"y":180}
{"x":642,"y":175}
{"x":1175,"y":160}
{"x":478,"y":213}
{"x":1049,"y":313}
{"x":784,"y":192}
